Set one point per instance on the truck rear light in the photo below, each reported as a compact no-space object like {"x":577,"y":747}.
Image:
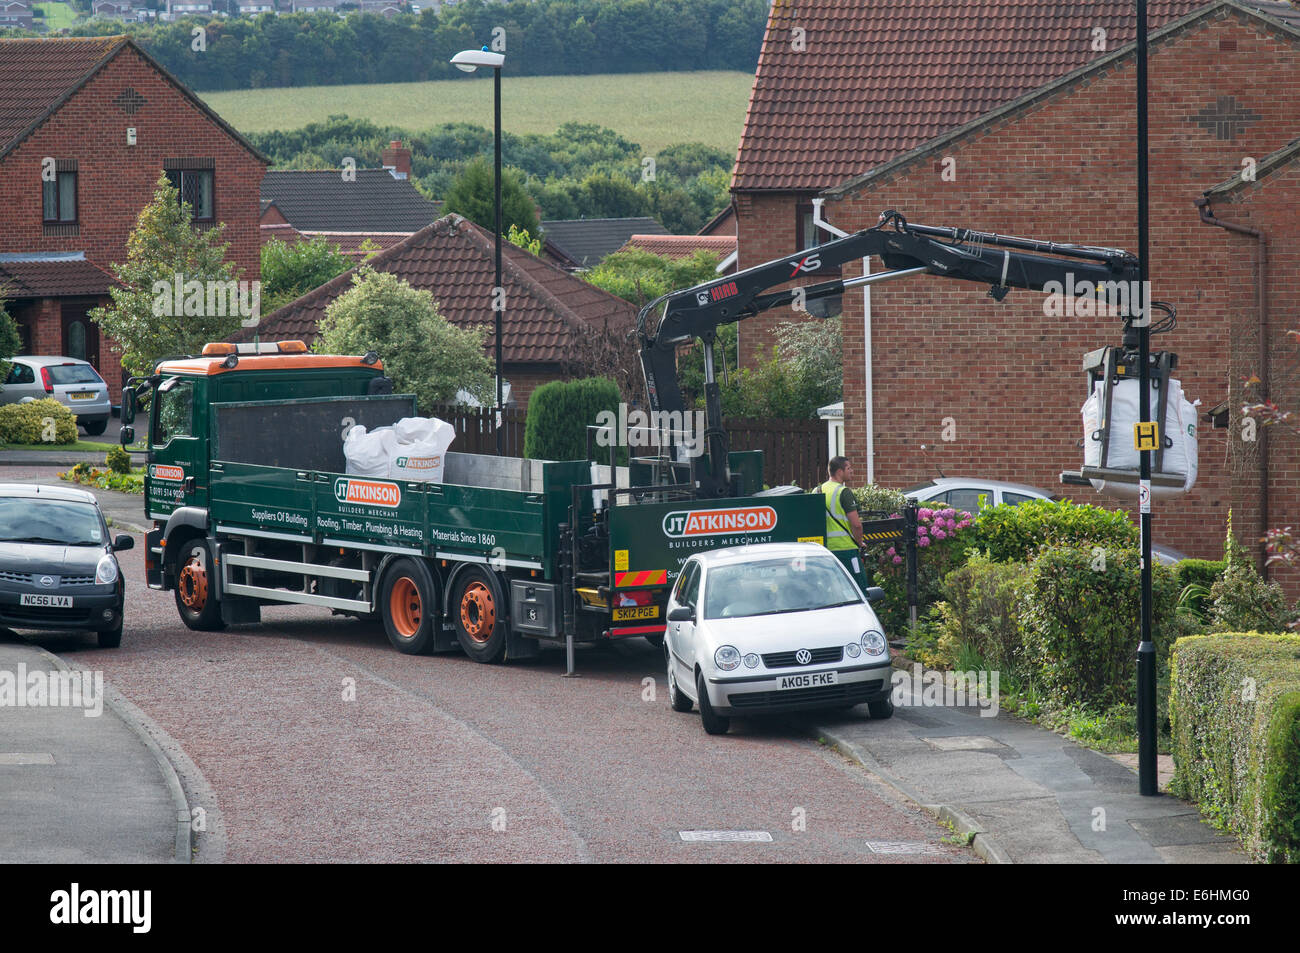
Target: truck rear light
{"x":45,"y":379}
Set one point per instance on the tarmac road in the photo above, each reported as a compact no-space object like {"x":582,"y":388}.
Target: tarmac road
{"x":319,"y":742}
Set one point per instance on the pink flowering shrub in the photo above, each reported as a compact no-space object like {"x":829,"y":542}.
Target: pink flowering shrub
{"x":941,"y":538}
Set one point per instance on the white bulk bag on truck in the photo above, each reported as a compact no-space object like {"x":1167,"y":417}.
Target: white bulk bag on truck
{"x":420,"y":448}
{"x":1179,"y":427}
{"x":368,"y":452}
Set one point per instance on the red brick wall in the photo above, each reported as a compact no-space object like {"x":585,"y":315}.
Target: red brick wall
{"x":766,"y":229}
{"x":115,"y":181}
{"x":1065,"y":170}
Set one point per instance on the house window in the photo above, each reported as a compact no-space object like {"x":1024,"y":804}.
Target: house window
{"x":807,"y":235}
{"x":59,"y":198}
{"x":195,"y":189}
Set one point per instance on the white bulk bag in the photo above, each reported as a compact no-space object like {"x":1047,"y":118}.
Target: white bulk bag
{"x":368,"y":453}
{"x":420,"y":448}
{"x":1179,"y":427}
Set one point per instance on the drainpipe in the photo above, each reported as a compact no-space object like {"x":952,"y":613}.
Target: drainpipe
{"x":1261,"y":294}
{"x":820,"y":222}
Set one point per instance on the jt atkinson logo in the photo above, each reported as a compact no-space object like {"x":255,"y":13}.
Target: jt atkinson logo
{"x":367,"y":492}
{"x":161,"y":471}
{"x":681,"y":524}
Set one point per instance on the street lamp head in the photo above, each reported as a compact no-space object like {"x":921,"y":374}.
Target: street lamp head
{"x":470,"y":60}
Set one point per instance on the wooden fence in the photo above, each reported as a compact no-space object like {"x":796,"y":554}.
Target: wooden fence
{"x":794,"y":451}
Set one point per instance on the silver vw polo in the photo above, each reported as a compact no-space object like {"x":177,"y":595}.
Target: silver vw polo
{"x":775,"y":627}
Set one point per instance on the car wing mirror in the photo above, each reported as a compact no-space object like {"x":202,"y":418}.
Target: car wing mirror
{"x":874,"y":593}
{"x":681,"y":614}
{"x":122,"y":541}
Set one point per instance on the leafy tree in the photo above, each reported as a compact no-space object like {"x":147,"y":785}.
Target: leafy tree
{"x":607,"y":196}
{"x":10,"y":341}
{"x":473,"y":196}
{"x":424,"y":353}
{"x":290,"y":271}
{"x":163,"y":246}
{"x":640,"y":276}
{"x":520,"y":237}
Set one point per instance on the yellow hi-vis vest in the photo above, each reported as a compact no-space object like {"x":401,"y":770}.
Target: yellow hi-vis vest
{"x":837,"y":521}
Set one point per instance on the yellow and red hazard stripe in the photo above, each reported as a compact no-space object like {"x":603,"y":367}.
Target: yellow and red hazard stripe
{"x":645,"y":577}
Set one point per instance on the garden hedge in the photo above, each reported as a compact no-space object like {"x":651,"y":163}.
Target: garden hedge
{"x":36,"y":422}
{"x":559,"y":413}
{"x":1235,"y":709}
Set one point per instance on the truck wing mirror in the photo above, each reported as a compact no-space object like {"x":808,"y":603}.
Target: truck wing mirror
{"x":127,"y":436}
{"x":128,"y":405}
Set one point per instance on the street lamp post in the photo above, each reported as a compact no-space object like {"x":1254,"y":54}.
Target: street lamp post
{"x":1146,"y":654}
{"x":468,"y":61}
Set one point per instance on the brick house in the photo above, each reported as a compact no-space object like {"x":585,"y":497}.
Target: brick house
{"x":111,"y":119}
{"x":1058,"y":163}
{"x":380,"y":207}
{"x":547,"y":311}
{"x":16,"y":14}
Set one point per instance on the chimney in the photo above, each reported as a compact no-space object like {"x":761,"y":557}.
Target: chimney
{"x":397,"y":160}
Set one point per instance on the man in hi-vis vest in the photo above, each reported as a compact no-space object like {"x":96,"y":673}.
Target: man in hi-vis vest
{"x":843,"y":524}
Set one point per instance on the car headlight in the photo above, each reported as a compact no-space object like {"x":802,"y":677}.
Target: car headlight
{"x":727,"y":658}
{"x":873,"y":643}
{"x":853,"y":650}
{"x":106,"y":571}
{"x":752,"y":660}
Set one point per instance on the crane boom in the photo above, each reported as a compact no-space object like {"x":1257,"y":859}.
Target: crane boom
{"x":1000,"y":261}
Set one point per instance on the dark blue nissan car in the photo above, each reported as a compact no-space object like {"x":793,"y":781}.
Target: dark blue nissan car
{"x":57,"y":564}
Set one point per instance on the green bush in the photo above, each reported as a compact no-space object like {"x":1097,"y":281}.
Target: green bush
{"x":880,"y":499}
{"x":1235,"y":708}
{"x":1240,"y":600}
{"x":942,"y":540}
{"x":36,"y":422}
{"x":1200,"y":572}
{"x":118,"y":460}
{"x":981,"y":610}
{"x":559,"y":414}
{"x":1014,"y":533}
{"x":1080,"y":614}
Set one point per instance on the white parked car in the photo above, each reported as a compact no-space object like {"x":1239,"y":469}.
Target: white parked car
{"x":775,"y":627}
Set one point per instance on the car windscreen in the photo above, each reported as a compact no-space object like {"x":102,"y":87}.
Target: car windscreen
{"x":74,"y":374}
{"x":24,"y":519}
{"x":770,"y":586}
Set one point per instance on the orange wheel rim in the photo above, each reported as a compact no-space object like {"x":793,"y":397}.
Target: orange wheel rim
{"x":405,"y":607}
{"x":193,"y":584}
{"x":478,"y":612}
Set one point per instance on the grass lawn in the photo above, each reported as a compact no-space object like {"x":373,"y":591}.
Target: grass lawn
{"x":651,"y":109}
{"x":57,"y":15}
{"x":80,"y":446}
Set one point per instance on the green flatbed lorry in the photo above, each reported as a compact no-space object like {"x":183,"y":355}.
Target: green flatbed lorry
{"x":251,"y":506}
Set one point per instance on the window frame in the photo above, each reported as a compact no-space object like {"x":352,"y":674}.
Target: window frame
{"x":58,"y":198}
{"x":181,"y":169}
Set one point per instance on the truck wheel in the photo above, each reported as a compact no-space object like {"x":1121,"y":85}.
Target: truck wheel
{"x":477,"y":611}
{"x":656,"y":640}
{"x":196,"y":598}
{"x":408,"y":606}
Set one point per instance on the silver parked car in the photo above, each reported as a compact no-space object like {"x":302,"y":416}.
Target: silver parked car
{"x":73,"y":383}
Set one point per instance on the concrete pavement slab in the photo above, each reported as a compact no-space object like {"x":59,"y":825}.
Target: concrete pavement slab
{"x":86,"y":787}
{"x":1035,"y":795}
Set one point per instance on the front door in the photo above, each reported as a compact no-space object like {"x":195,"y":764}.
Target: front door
{"x":80,"y":334}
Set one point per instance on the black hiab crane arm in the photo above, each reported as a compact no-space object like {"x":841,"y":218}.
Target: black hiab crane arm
{"x":1002,"y":262}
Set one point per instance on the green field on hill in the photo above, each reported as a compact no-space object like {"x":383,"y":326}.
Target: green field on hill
{"x":651,"y":109}
{"x":57,"y":15}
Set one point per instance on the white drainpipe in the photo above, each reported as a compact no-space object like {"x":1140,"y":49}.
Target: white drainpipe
{"x":820,"y":222}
